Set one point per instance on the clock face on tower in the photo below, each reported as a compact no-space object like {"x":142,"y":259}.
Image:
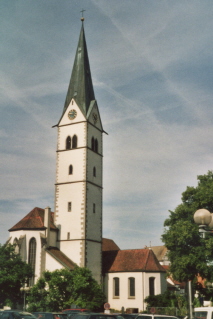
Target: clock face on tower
{"x":72,"y":114}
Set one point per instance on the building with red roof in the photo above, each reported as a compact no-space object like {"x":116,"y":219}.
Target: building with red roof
{"x":72,"y":234}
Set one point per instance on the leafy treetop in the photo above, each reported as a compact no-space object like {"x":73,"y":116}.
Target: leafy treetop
{"x":188,"y":253}
{"x":59,"y":289}
{"x":14,"y":273}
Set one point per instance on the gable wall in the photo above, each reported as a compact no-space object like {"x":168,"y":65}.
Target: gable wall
{"x":141,"y":289}
{"x":25,"y":254}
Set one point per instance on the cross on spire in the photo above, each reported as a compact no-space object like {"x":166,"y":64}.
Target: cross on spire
{"x":82,"y":12}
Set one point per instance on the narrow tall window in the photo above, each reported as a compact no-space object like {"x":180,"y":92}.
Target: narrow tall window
{"x":70,"y":170}
{"x":93,"y":143}
{"x":68,"y":143}
{"x":96,"y":145}
{"x":94,"y":171}
{"x":131,"y":287}
{"x":93,"y":208}
{"x":116,"y":287}
{"x":152,"y":286}
{"x":74,"y":141}
{"x":69,"y":206}
{"x":32,"y":259}
{"x":68,"y":236}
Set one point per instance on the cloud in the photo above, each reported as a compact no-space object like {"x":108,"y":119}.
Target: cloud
{"x":151,"y":65}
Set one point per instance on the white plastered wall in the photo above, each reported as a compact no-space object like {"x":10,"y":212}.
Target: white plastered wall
{"x":141,"y":289}
{"x":30,"y":234}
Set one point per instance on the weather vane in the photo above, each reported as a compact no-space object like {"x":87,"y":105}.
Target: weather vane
{"x":82,"y":11}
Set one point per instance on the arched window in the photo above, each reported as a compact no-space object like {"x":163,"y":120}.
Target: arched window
{"x":93,"y":144}
{"x":94,"y":171}
{"x":74,"y":141}
{"x":116,"y":287}
{"x":96,"y":145}
{"x":32,"y":259}
{"x":68,"y":143}
{"x":70,"y":170}
{"x":151,"y":286}
{"x":131,"y":287}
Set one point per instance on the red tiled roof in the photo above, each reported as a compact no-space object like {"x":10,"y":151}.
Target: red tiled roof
{"x":109,"y":244}
{"x":166,"y":267}
{"x":61,"y":257}
{"x":33,"y":220}
{"x":131,"y":260}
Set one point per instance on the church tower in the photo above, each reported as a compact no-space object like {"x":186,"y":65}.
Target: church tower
{"x":78,"y":188}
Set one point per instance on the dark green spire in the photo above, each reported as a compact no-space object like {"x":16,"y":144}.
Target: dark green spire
{"x":81,"y":87}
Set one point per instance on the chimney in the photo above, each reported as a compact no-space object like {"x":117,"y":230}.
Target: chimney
{"x":47,"y":215}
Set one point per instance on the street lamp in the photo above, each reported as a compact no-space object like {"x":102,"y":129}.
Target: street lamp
{"x":204,"y":219}
{"x":25,"y":290}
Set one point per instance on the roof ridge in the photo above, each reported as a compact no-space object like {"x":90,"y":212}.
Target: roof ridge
{"x":146,"y":262}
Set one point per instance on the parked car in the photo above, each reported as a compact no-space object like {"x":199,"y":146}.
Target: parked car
{"x":72,"y":312}
{"x":16,"y":314}
{"x":75,"y":310}
{"x":154,"y":316}
{"x":203,"y":313}
{"x":50,"y":315}
{"x":129,"y":315}
{"x":92,"y":315}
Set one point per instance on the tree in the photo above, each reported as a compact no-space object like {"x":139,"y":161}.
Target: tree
{"x":167,"y":299}
{"x":59,"y":289}
{"x":14,"y":273}
{"x":188,"y":253}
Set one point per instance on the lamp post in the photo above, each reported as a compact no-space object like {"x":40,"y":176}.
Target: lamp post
{"x":25,"y":290}
{"x":203,"y":218}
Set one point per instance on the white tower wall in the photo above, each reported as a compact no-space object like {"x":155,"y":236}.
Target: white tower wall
{"x":78,"y":196}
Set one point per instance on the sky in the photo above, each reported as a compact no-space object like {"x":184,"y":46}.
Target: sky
{"x":152,"y":69}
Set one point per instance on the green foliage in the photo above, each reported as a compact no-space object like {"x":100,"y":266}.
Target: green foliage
{"x":190,"y":254}
{"x":167,"y":299}
{"x":59,"y":289}
{"x":14,"y":273}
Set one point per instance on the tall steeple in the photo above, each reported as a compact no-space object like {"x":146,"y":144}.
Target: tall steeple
{"x":80,"y":86}
{"x":79,"y":184}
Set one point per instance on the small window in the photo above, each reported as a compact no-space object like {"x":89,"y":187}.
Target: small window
{"x":68,"y":236}
{"x":70,"y":170}
{"x":94,"y":171}
{"x":74,"y":141}
{"x":69,"y":206}
{"x":68,"y":143}
{"x":96,"y":145}
{"x":93,"y":208}
{"x":116,"y":287}
{"x":93,"y":143}
{"x":131,"y":287}
{"x":152,"y":286}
